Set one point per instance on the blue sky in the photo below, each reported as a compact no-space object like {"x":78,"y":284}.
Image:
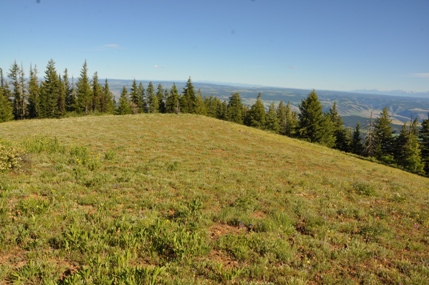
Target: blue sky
{"x":321,"y":44}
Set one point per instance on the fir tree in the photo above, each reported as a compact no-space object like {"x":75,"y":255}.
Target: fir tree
{"x":356,"y":145}
{"x":222,"y":111}
{"x":313,"y":125}
{"x":84,"y":99}
{"x":369,"y":146}
{"x":33,"y":94}
{"x":341,"y":134}
{"x":107,"y":103}
{"x":424,"y":143}
{"x":160,"y":96}
{"x":69,"y":92}
{"x":136,"y":99}
{"x":142,"y":99}
{"x":124,"y":103}
{"x":172,"y":104}
{"x":189,"y":98}
{"x":408,"y":152}
{"x":212,"y":103}
{"x":383,"y":135}
{"x":6,"y":110}
{"x":200,"y":107}
{"x":49,"y":92}
{"x":60,"y":109}
{"x":16,"y":75}
{"x":291,"y":121}
{"x":257,"y":114}
{"x":96,"y":93}
{"x":272,"y":121}
{"x":235,"y":109}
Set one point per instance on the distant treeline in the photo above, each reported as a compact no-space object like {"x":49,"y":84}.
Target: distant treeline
{"x":57,"y":97}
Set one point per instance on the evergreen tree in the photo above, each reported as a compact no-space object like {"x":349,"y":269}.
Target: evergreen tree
{"x":153,"y":103}
{"x":313,"y":125}
{"x":107,"y":103}
{"x":369,"y":146}
{"x":84,"y":94}
{"x":281,"y":115}
{"x":272,"y":121}
{"x":60,"y":109}
{"x":96,"y":93}
{"x":235,"y":109}
{"x":16,"y":75}
{"x":341,"y":134}
{"x":257,"y":114}
{"x":160,"y":96}
{"x":222,"y":111}
{"x":33,"y":94}
{"x":383,"y":135}
{"x":6,"y":110}
{"x":189,"y":99}
{"x":408,"y":152}
{"x":200,"y":107}
{"x":124,"y":103}
{"x":291,"y":121}
{"x":49,"y":92}
{"x":143,"y":107}
{"x":356,"y":145}
{"x":172,"y":104}
{"x":69,"y":92}
{"x":424,"y":143}
{"x":136,"y":99}
{"x":212,"y":104}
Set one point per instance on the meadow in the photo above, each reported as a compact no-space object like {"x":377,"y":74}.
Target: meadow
{"x":187,"y":199}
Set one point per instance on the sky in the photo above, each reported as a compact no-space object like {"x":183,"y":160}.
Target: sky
{"x":309,"y":44}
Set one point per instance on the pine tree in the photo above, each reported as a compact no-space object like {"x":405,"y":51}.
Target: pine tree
{"x":341,"y":134}
{"x":33,"y":94}
{"x":141,"y":92}
{"x":83,"y":91}
{"x":291,"y":121}
{"x":60,"y":109}
{"x":107,"y":104}
{"x":281,"y":115}
{"x":172,"y":104}
{"x":369,"y":146}
{"x":189,"y":98}
{"x":257,"y":114}
{"x":235,"y":109}
{"x":124,"y":103}
{"x":96,"y":93}
{"x":222,"y":111}
{"x":407,"y":149}
{"x":16,"y":75}
{"x":272,"y":121}
{"x":136,"y":99}
{"x":424,"y":143}
{"x":383,"y":135}
{"x":160,"y":96}
{"x":69,"y":89}
{"x":200,"y":107}
{"x":49,"y":92}
{"x":356,"y":145}
{"x":212,"y":104}
{"x":153,"y":103}
{"x":6,"y":110}
{"x":313,"y":125}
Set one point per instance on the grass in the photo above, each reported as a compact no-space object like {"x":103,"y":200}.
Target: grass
{"x":183,"y":199}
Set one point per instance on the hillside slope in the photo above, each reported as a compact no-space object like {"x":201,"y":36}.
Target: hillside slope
{"x":184,"y":199}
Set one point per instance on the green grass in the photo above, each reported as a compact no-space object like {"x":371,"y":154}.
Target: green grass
{"x":183,"y":199}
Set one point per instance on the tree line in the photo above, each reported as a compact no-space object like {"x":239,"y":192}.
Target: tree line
{"x":55,"y":97}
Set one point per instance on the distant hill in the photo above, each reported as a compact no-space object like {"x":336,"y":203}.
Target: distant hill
{"x":352,"y":106}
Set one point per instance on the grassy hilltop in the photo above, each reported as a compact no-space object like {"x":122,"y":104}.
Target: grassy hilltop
{"x":184,"y":199}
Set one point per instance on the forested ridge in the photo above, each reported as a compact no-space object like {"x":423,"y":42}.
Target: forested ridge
{"x":57,"y":96}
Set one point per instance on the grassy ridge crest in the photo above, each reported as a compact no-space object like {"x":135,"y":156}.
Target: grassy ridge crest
{"x":185,"y":199}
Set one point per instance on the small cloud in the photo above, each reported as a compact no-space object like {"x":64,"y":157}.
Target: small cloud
{"x":115,"y":46}
{"x":158,"y":66}
{"x":420,"y":75}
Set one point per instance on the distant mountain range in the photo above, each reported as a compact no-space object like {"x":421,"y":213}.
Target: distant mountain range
{"x":354,"y":106}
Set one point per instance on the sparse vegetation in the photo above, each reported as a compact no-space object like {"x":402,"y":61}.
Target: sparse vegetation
{"x":187,"y":199}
